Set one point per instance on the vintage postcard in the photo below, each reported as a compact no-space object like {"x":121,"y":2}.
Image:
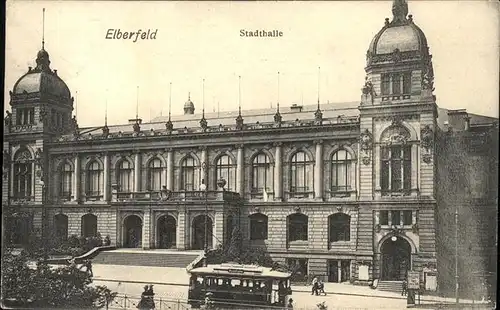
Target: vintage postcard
{"x":250,"y":155}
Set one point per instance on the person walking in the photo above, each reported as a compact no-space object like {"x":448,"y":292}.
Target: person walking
{"x":404,"y":288}
{"x":314,"y":289}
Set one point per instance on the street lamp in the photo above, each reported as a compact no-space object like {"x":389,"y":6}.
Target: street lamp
{"x":456,"y":257}
{"x":203,"y":187}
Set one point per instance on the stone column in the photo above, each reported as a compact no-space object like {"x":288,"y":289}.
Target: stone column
{"x":76,"y":179}
{"x":318,"y":171}
{"x":170,"y":170}
{"x":378,"y":172}
{"x":414,"y":167}
{"x":137,"y":172}
{"x":146,"y":227}
{"x":204,"y":165}
{"x":240,"y":177}
{"x":377,"y":217}
{"x":106,"y":178}
{"x":278,"y":182}
{"x":181,"y":230}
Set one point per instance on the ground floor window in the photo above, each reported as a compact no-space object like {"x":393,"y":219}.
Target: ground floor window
{"x":298,"y":266}
{"x":339,"y":270}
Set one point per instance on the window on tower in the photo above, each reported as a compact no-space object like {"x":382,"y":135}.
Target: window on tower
{"x":395,"y":86}
{"x":25,"y":116}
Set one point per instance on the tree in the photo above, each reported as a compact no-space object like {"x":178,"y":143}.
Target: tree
{"x":28,"y":281}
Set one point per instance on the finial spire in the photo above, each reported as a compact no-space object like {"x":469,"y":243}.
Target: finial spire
{"x":319,"y":78}
{"x":106,"y":110}
{"x":399,"y":11}
{"x":203,"y":97}
{"x":170,"y":102}
{"x":137,"y":106}
{"x":76,"y":104}
{"x":239,"y":94}
{"x":43,"y":28}
{"x":278,"y":87}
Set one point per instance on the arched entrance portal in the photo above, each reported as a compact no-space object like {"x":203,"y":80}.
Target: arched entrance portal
{"x":396,"y":258}
{"x":132,"y":231}
{"x":199,"y":232}
{"x":167,"y":232}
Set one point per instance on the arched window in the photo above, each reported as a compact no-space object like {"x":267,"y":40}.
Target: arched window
{"x":297,"y":227}
{"x":262,"y":177}
{"x":341,"y":170}
{"x":339,"y":225}
{"x":225,"y":169}
{"x":124,"y":177}
{"x":66,"y":182}
{"x":155,"y":171}
{"x":23,"y":175}
{"x":258,"y":226}
{"x":300,"y":175}
{"x":89,"y":225}
{"x":94,"y":181}
{"x":188,"y":174}
{"x":395,"y":174}
{"x":61,"y":226}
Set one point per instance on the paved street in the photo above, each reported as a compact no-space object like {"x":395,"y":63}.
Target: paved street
{"x":170,"y":283}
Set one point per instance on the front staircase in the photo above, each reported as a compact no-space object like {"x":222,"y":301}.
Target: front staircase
{"x":150,"y":258}
{"x":390,"y":286}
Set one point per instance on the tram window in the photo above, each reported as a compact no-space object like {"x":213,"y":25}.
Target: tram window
{"x":235,"y":282}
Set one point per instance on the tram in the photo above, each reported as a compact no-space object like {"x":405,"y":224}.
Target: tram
{"x":234,"y":286}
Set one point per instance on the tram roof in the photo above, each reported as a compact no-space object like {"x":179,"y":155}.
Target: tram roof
{"x":240,"y":270}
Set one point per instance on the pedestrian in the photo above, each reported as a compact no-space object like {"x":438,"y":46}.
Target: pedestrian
{"x":404,"y":285}
{"x":314,"y":289}
{"x":290,"y":304}
{"x":88,"y":263}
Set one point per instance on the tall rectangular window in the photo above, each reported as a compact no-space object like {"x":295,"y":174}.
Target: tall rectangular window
{"x":396,"y":84}
{"x":385,"y":87}
{"x":384,"y":217}
{"x":396,"y":218}
{"x":407,"y":217}
{"x":407,"y":83}
{"x":396,"y":168}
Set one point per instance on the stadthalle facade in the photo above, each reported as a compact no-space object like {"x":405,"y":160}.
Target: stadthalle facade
{"x":344,"y":190}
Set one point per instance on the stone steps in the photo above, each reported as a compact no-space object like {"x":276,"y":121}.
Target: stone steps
{"x":176,"y":260}
{"x":390,"y":286}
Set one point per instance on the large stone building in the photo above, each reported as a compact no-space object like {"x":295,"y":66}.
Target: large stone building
{"x":347,"y":190}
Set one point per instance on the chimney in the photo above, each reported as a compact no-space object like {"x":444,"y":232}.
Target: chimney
{"x":467,"y":123}
{"x":458,"y":119}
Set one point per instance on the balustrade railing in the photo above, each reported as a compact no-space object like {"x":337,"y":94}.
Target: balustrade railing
{"x":166,"y":196}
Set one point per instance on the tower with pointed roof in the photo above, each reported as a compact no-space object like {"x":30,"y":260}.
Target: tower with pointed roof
{"x":397,"y":127}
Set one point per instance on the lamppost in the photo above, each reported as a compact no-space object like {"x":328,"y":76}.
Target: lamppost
{"x":203,"y":187}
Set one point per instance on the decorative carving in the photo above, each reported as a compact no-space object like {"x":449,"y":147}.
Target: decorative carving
{"x":8,"y":120}
{"x":105,"y":131}
{"x":221,"y":183}
{"x":339,"y":208}
{"x":395,"y":134}
{"x":169,"y":126}
{"x":318,"y":116}
{"x":396,"y":231}
{"x":396,"y":55}
{"x":426,"y":158}
{"x":137,"y":128}
{"x":366,"y":140}
{"x":277,"y":144}
{"x":319,"y":141}
{"x":426,"y":137}
{"x":203,"y":123}
{"x":257,"y":209}
{"x":414,"y":228}
{"x":278,"y":118}
{"x":239,"y":122}
{"x":6,"y":163}
{"x":368,"y":89}
{"x":428,"y":76}
{"x":378,"y":228}
{"x":296,"y":209}
{"x":23,"y":156}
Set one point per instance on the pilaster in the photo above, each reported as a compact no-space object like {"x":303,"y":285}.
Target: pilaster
{"x":278,"y":172}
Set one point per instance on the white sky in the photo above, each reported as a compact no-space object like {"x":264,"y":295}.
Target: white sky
{"x":197,"y":40}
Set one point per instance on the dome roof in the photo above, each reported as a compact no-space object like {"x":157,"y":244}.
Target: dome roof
{"x":189,"y":104}
{"x":42,"y":79}
{"x":401,"y":35}
{"x":405,"y":38}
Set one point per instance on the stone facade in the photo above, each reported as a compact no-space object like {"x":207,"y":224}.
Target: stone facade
{"x":346,"y":193}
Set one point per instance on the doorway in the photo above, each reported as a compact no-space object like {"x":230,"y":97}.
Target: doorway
{"x":339,"y":270}
{"x":396,"y":259}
